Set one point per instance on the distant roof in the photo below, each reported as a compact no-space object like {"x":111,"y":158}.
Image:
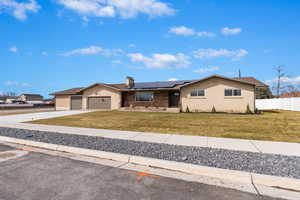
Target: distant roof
{"x":32,"y":95}
{"x":290,"y":94}
{"x":68,"y":92}
{"x":252,"y":80}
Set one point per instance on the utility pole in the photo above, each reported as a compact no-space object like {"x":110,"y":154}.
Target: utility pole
{"x":280,"y":75}
{"x":240,"y":74}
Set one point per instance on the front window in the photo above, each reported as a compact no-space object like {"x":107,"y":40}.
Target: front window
{"x":233,"y":92}
{"x":198,"y":93}
{"x":144,"y":96}
{"x":237,"y":92}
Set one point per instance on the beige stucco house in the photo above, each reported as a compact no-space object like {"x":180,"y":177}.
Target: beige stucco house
{"x":225,"y":94}
{"x":30,"y":97}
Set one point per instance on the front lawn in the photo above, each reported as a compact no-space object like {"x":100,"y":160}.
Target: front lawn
{"x":273,"y":126}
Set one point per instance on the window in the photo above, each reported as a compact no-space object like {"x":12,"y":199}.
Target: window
{"x":144,"y":96}
{"x":228,"y":92}
{"x":237,"y":92}
{"x":233,"y":92}
{"x":198,"y":93}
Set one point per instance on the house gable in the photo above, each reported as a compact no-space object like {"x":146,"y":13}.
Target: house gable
{"x":214,"y":96}
{"x":102,"y":90}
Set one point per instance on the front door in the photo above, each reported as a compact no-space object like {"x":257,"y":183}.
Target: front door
{"x":174,"y":97}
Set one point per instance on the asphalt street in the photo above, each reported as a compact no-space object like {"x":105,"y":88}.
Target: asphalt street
{"x":37,"y":176}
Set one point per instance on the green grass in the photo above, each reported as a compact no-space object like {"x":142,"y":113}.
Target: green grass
{"x":273,"y":126}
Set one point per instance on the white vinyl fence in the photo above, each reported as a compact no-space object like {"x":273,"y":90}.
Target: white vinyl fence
{"x":281,"y":103}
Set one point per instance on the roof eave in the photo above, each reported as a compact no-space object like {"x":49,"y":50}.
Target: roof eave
{"x":99,"y":84}
{"x":216,"y":76}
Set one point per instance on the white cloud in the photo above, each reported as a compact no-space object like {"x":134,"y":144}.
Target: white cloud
{"x":205,"y":34}
{"x":231,"y":31}
{"x":44,"y":53}
{"x":172,"y":79}
{"x":131,"y":45}
{"x":13,"y":49}
{"x":291,"y":80}
{"x":161,"y":60}
{"x":92,"y":50}
{"x":182,"y":30}
{"x":185,"y":31}
{"x":206,"y":70}
{"x":85,"y":20}
{"x":294,"y":80}
{"x":16,"y":83}
{"x":123,"y":8}
{"x":19,"y":9}
{"x":213,"y":53}
{"x":116,"y":62}
{"x":241,"y":53}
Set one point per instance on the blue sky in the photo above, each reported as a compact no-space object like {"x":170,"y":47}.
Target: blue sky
{"x":51,"y":45}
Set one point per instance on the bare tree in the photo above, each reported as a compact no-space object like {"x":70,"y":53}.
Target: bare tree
{"x":10,"y":94}
{"x":280,"y":74}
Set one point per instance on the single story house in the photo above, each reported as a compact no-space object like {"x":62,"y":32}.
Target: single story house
{"x":8,"y":99}
{"x":225,"y":94}
{"x":30,"y":97}
{"x":49,"y":101}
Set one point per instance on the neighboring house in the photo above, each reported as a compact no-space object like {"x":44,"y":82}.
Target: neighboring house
{"x":262,"y":90}
{"x":10,"y":99}
{"x":225,"y":94}
{"x":49,"y":101}
{"x":31,"y":97}
{"x":2,"y":99}
{"x":290,"y":94}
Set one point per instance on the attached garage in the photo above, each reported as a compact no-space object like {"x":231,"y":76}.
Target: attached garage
{"x":95,"y":97}
{"x":76,"y":102}
{"x":100,"y":102}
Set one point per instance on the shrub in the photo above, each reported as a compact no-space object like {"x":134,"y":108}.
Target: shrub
{"x":248,"y":110}
{"x":187,"y":110}
{"x":257,"y":111}
{"x":213,"y":110}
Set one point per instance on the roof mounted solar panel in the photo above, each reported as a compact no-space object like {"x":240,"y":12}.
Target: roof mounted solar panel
{"x":159,"y":84}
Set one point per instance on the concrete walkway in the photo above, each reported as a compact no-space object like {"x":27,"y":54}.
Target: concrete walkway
{"x":38,"y":115}
{"x":282,"y":148}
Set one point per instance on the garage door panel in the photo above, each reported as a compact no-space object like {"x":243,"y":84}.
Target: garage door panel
{"x":76,"y":102}
{"x":99,"y":102}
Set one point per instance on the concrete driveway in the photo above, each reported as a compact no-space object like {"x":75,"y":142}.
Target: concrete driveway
{"x":37,"y":116}
{"x":37,"y":176}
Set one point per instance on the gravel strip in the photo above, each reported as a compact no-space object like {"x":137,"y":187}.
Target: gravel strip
{"x":270,"y":164}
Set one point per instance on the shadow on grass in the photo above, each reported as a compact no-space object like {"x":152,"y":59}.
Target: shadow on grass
{"x":271,"y":111}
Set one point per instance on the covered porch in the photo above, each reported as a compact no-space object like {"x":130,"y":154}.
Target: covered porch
{"x":151,"y":100}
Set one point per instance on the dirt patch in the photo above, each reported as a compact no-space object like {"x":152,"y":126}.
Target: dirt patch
{"x":7,"y":155}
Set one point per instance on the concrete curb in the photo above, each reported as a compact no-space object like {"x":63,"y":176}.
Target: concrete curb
{"x":287,"y":188}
